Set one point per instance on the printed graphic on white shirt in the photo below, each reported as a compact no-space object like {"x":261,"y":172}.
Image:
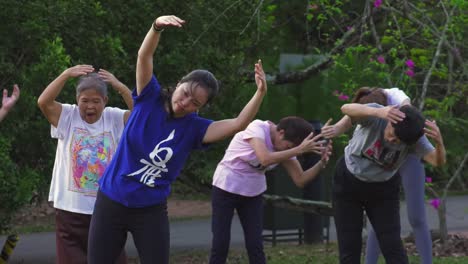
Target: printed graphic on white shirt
{"x":90,"y":157}
{"x":158,"y":158}
{"x":382,"y":154}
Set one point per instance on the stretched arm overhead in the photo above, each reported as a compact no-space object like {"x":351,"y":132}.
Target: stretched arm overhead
{"x":120,"y":88}
{"x":219,"y":130}
{"x":436,"y":157}
{"x":51,"y":108}
{"x":144,"y":67}
{"x":9,"y":102}
{"x":332,"y":131}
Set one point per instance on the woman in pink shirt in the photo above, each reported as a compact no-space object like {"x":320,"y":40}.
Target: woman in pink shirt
{"x":239,"y":179}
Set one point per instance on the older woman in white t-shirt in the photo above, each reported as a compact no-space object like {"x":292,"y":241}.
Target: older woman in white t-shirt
{"x":88,"y":133}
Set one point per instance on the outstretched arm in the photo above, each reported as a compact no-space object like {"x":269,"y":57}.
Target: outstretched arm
{"x":219,"y":130}
{"x":120,"y":88}
{"x":51,"y":108}
{"x":9,"y":102}
{"x":436,"y":157}
{"x":144,"y":67}
{"x":332,"y":131}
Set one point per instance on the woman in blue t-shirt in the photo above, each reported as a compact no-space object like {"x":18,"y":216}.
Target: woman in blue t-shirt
{"x":160,"y":134}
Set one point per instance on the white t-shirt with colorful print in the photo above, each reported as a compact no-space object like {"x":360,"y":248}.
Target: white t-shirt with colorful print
{"x":83,"y":153}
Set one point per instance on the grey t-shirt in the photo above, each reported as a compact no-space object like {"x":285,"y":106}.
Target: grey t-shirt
{"x":372,"y":159}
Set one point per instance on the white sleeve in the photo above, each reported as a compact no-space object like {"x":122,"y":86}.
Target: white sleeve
{"x":117,"y":116}
{"x":64,"y":122}
{"x":395,"y":96}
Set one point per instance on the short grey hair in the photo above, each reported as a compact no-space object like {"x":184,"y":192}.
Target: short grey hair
{"x":91,"y":81}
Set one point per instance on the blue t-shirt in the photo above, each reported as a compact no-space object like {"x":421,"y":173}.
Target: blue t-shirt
{"x":152,"y":151}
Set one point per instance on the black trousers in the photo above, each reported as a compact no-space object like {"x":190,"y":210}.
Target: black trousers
{"x":250,"y":211}
{"x":380,"y":200}
{"x":110,"y":223}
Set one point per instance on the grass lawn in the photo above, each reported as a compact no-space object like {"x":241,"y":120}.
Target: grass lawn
{"x":291,"y":254}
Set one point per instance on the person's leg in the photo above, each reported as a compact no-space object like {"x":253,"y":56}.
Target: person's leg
{"x":372,"y":246}
{"x":348,"y":214}
{"x":250,"y":213}
{"x":107,"y":233}
{"x":383,"y":211}
{"x":71,"y":236}
{"x":413,"y":178}
{"x":223,"y":204}
{"x":149,"y":227}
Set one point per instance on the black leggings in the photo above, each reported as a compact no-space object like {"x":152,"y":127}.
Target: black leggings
{"x":250,"y":211}
{"x":380,"y":201}
{"x":110,"y":223}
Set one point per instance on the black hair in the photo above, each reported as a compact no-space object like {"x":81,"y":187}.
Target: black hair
{"x":199,"y":78}
{"x":203,"y":79}
{"x":412,"y":127}
{"x":296,"y":129}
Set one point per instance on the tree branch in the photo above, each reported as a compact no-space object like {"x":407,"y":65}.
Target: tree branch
{"x":435,"y":59}
{"x":299,"y":76}
{"x":455,"y":175}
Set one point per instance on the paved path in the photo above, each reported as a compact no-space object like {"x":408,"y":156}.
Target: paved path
{"x":195,"y":234}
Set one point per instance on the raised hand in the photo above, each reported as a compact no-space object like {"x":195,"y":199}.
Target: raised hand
{"x":9,"y":102}
{"x":78,"y":70}
{"x":109,"y":78}
{"x":432,"y":131}
{"x":328,"y":130}
{"x":391,"y":113}
{"x":326,"y":153}
{"x":313,"y":144}
{"x":260,"y":78}
{"x":168,"y":21}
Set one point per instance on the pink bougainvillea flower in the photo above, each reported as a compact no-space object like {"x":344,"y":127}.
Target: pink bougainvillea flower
{"x":435,"y":203}
{"x":381,"y":59}
{"x":336,"y":93}
{"x":377,"y":3}
{"x":410,"y":73}
{"x":410,"y":64}
{"x":428,"y":179}
{"x":343,"y":97}
{"x":348,"y":28}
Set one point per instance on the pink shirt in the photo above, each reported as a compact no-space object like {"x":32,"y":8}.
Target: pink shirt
{"x":240,"y":171}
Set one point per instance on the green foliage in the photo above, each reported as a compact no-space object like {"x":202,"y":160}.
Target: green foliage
{"x":42,"y":38}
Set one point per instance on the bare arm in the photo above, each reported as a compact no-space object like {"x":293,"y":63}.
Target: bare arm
{"x":266,"y":157}
{"x":120,"y":88}
{"x":437,"y":157}
{"x":144,"y":67}
{"x":51,"y":108}
{"x":219,"y":130}
{"x":301,"y":177}
{"x":9,"y":102}
{"x":332,"y":131}
{"x":359,"y":111}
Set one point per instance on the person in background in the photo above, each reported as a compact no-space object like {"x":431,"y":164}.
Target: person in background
{"x":366,"y":180}
{"x":88,"y":133}
{"x":411,"y":171}
{"x":9,"y":101}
